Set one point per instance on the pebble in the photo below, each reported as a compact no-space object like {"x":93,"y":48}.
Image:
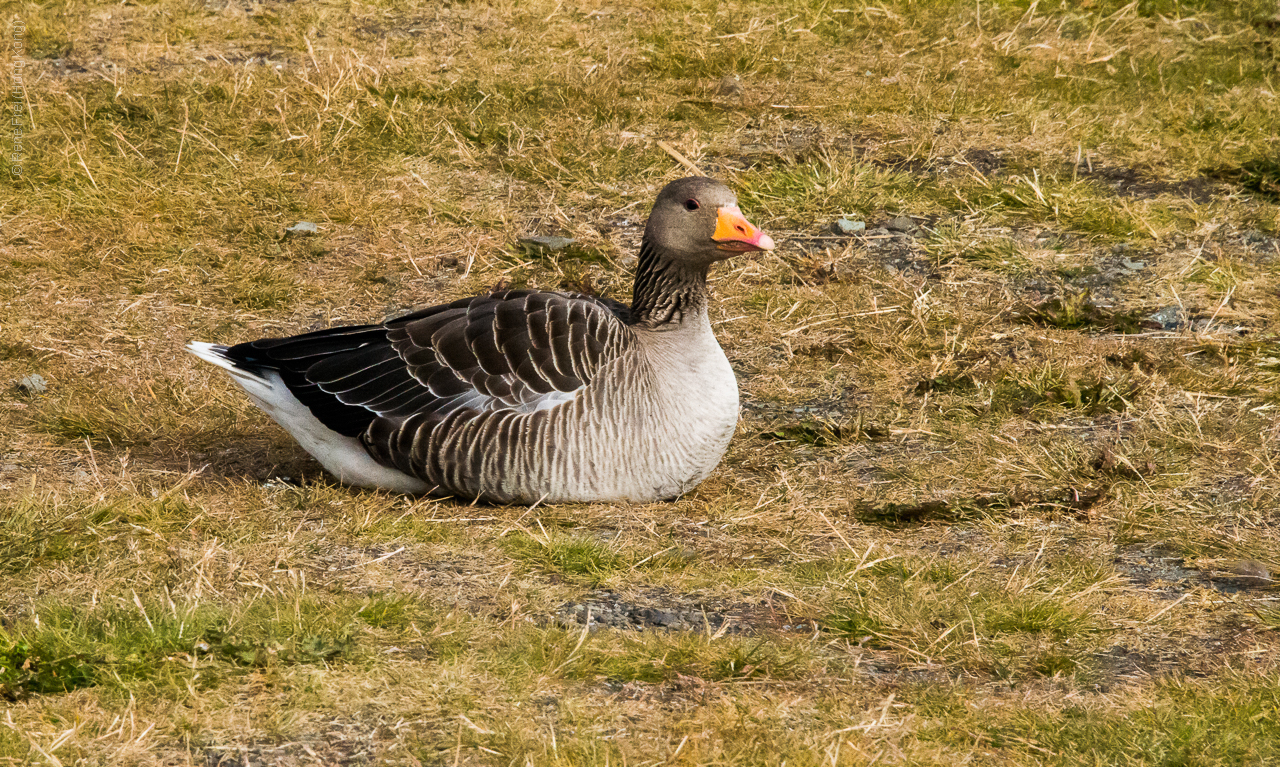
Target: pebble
{"x":33,"y":384}
{"x":900,"y":224}
{"x":847,"y":226}
{"x":547,"y":243}
{"x":1170,"y":318}
{"x":302,"y":229}
{"x":730,"y":86}
{"x":1252,"y":572}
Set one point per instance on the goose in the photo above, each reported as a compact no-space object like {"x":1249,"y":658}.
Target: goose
{"x":525,"y":396}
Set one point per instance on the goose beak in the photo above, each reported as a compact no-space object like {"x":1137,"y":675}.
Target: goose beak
{"x":736,"y":235}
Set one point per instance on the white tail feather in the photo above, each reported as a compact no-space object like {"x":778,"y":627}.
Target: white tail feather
{"x":343,"y":456}
{"x":214,"y":354}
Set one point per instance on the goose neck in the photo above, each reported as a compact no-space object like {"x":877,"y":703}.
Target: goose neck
{"x":668,"y":291}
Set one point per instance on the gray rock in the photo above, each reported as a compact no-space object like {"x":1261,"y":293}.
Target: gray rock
{"x":1252,"y":572}
{"x":302,"y":229}
{"x":546,"y":243}
{"x":33,"y":384}
{"x":848,"y":226}
{"x":661,"y":617}
{"x":900,"y":224}
{"x":1170,"y":318}
{"x":730,"y":86}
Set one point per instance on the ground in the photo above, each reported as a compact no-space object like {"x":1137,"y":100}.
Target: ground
{"x":1004,"y":490}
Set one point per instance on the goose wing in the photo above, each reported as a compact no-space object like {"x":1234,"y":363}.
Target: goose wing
{"x":517,"y":350}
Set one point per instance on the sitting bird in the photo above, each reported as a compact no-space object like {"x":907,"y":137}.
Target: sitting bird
{"x":522,"y":396}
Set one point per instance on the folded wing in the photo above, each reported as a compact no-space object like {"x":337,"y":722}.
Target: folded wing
{"x":514,"y":350}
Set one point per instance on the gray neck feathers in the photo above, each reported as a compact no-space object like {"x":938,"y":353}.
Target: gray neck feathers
{"x":666,"y":290}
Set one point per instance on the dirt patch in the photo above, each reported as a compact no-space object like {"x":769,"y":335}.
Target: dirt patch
{"x":984,"y":161}
{"x":1121,"y":663}
{"x":464,"y":580}
{"x":340,"y":744}
{"x":1261,"y":176}
{"x":1147,"y":567}
{"x":1127,"y":182}
{"x":1074,"y":501}
{"x":1167,"y":574}
{"x":848,"y":403}
{"x":659,"y":609}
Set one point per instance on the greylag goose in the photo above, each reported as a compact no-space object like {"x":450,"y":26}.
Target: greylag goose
{"x":523,"y":396}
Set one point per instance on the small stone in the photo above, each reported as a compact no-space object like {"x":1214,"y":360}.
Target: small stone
{"x":546,"y":243}
{"x":848,"y":226}
{"x":1252,"y":572}
{"x":302,"y":229}
{"x":33,"y":384}
{"x":900,"y":224}
{"x":1170,"y":318}
{"x":1133,"y":265}
{"x":666,"y":618}
{"x":730,"y":85}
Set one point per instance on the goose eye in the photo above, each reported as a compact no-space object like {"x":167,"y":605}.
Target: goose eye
{"x":691,"y":205}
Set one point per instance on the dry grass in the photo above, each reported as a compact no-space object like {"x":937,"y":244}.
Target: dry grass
{"x":1003,"y":492}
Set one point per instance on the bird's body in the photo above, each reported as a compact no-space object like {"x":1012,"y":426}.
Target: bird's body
{"x":523,"y":396}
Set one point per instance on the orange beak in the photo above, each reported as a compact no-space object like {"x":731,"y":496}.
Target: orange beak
{"x":736,"y":235}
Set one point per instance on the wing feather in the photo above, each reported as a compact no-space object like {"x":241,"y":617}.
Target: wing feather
{"x":516,"y":350}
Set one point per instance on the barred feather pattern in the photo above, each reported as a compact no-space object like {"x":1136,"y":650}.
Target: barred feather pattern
{"x":589,"y":448}
{"x":521,"y":396}
{"x":666,"y":290}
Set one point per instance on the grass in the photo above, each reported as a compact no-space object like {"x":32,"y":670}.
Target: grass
{"x":981,"y":506}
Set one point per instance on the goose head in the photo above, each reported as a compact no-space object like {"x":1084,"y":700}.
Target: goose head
{"x":697,"y":221}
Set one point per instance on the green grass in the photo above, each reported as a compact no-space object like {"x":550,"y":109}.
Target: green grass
{"x":586,"y":558}
{"x":651,"y":658}
{"x":157,"y":644}
{"x":979,"y":508}
{"x":1213,"y":722}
